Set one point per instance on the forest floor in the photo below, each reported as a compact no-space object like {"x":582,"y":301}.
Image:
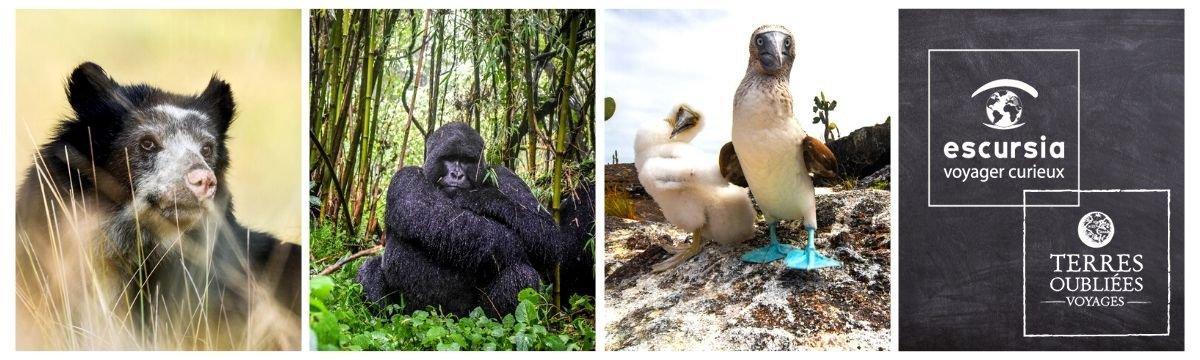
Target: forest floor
{"x":717,"y":302}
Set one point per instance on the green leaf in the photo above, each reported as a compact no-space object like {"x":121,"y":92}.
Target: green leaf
{"x":435,"y":332}
{"x":448,"y":347}
{"x":316,"y":306}
{"x":522,"y":313}
{"x":521,"y":341}
{"x":361,"y":341}
{"x":530,"y":295}
{"x":320,"y":287}
{"x":556,"y":343}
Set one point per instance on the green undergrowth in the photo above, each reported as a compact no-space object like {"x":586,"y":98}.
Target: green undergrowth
{"x":340,"y":320}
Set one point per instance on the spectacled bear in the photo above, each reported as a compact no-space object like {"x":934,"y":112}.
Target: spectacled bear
{"x":127,"y":209}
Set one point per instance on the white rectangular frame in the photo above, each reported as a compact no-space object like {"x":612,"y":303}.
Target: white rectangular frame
{"x":1024,"y":285}
{"x":929,"y":127}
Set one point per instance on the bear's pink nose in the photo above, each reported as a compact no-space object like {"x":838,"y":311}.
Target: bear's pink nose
{"x":203,"y":183}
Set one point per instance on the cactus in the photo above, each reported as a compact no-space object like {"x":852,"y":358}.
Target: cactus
{"x":615,"y":158}
{"x":822,"y":107}
{"x":610,"y":107}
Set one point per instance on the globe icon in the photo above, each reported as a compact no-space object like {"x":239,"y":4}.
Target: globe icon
{"x":1095,"y":229}
{"x":1004,"y":110}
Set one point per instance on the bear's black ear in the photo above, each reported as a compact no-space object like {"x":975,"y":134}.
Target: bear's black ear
{"x":92,"y":94}
{"x":218,"y":97}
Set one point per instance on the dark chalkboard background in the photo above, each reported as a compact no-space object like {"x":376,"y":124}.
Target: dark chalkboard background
{"x":960,"y":268}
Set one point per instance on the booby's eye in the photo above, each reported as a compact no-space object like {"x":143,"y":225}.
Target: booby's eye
{"x":787,"y":43}
{"x":148,"y":144}
{"x":758,"y":41}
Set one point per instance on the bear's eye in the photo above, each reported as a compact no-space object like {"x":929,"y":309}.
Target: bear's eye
{"x":148,"y":144}
{"x":206,"y":150}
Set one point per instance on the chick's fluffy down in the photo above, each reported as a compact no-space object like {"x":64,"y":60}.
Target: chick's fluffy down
{"x":687,"y":184}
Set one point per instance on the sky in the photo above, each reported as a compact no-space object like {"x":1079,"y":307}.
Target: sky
{"x":656,"y":59}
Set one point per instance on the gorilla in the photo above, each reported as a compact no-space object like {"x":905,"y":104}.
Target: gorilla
{"x":460,"y":233}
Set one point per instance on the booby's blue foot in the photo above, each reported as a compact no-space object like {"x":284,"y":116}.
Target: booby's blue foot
{"x":771,"y":252}
{"x":808,"y":258}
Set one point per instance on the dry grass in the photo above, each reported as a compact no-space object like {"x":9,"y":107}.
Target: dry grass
{"x":70,"y":295}
{"x":620,"y":204}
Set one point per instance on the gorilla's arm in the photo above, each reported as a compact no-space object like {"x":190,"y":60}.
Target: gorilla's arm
{"x":513,"y":204}
{"x":422,"y":214}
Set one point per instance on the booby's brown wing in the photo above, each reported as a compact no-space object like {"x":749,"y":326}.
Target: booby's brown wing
{"x":818,"y":159}
{"x":731,"y":168}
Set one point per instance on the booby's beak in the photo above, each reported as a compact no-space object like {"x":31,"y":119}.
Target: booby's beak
{"x":771,"y":50}
{"x":685,"y":119}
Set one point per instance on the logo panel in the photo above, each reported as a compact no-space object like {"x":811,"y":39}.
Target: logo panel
{"x":1100,"y":269}
{"x":1001,"y":121}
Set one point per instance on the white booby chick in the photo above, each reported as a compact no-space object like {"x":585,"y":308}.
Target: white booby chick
{"x":688,"y":186}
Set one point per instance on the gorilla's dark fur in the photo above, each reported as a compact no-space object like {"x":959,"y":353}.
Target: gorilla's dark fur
{"x":456,"y":238}
{"x":578,"y":221}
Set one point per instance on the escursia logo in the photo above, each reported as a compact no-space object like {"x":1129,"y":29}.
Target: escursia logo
{"x":1004,"y":107}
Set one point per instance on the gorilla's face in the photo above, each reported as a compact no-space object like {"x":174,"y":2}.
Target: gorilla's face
{"x":458,"y":173}
{"x":454,"y":158}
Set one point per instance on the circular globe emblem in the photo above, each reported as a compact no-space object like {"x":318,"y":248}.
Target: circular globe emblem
{"x":1004,"y":110}
{"x":1096,"y":229}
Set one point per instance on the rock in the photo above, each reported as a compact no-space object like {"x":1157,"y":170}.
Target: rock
{"x":623,"y":177}
{"x":884,"y":174}
{"x":861,"y":153}
{"x":717,"y":302}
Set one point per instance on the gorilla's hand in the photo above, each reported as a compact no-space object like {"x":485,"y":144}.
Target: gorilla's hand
{"x":486,"y":201}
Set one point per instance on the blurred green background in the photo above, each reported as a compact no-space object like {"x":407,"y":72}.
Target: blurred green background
{"x":256,"y":51}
